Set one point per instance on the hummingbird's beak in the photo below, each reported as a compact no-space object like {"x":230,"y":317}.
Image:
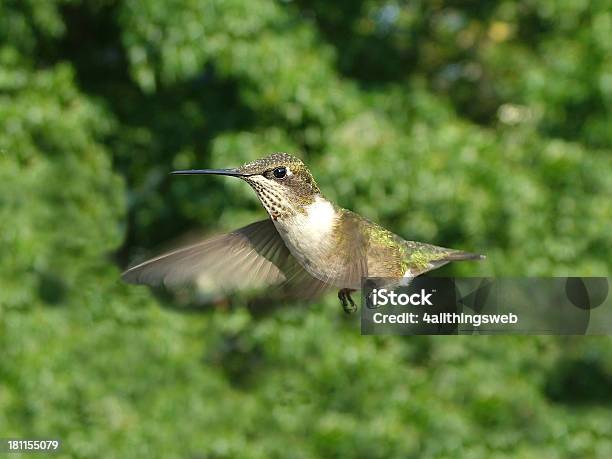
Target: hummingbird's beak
{"x":230,"y":172}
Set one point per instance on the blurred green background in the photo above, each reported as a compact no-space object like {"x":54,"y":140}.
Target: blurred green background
{"x":478,"y":125}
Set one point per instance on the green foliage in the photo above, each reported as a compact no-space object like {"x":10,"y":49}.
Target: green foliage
{"x":483,"y":127}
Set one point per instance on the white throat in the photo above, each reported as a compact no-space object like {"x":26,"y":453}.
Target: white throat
{"x":308,"y":234}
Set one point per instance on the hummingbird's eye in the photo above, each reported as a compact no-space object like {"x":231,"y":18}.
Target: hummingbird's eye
{"x":280,"y":172}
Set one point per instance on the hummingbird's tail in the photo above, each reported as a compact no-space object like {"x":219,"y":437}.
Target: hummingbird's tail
{"x":458,"y":255}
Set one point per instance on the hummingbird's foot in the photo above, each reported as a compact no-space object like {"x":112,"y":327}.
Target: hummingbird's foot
{"x":347,"y":302}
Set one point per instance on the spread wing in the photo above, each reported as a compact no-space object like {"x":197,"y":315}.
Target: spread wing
{"x":249,"y":258}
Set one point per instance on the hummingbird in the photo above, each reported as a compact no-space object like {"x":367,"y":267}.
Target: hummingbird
{"x":308,"y":242}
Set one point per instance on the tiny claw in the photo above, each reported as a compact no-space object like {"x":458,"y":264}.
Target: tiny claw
{"x":344,"y":295}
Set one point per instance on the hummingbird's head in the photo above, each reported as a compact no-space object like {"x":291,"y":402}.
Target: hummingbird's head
{"x":282,"y":182}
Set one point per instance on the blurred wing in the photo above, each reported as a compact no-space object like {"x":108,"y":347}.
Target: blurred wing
{"x":248,"y":258}
{"x":347,"y":265}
